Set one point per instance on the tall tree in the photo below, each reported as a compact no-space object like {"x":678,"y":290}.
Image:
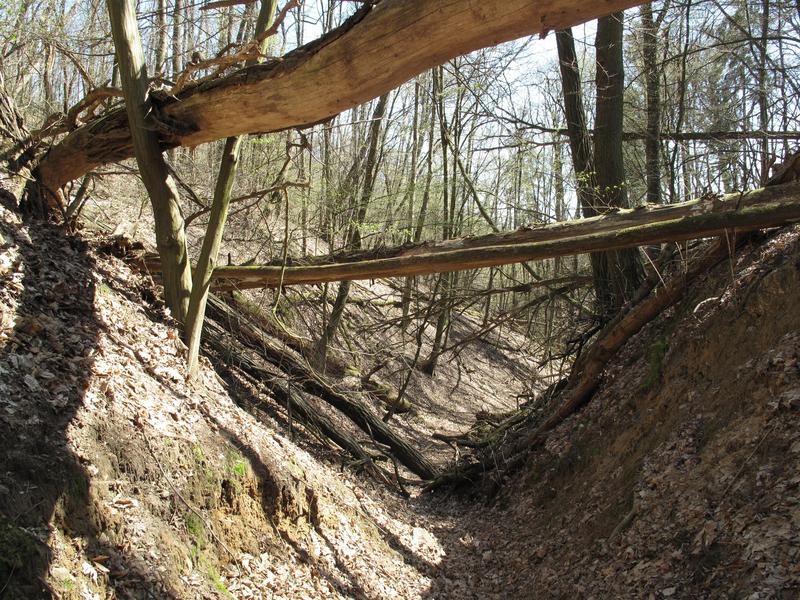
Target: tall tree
{"x":620,"y":271}
{"x":170,"y":234}
{"x":177,"y":34}
{"x":599,"y":168}
{"x":652,"y":142}
{"x":217,"y":219}
{"x":354,"y":241}
{"x":161,"y":37}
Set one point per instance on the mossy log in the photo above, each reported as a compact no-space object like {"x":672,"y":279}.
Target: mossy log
{"x":705,"y":217}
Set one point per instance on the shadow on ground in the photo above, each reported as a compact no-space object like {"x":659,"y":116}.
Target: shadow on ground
{"x":45,"y":370}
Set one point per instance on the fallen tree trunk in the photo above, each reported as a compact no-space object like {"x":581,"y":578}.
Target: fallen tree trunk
{"x":706,"y":217}
{"x":374,"y":52}
{"x":250,"y":336}
{"x":294,"y":401}
{"x":588,"y":371}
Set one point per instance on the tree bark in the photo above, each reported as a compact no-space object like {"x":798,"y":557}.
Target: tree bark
{"x":581,"y":147}
{"x":625,"y":228}
{"x":177,"y":34}
{"x":652,"y":143}
{"x":618,"y":273}
{"x":170,"y":235}
{"x":161,"y":37}
{"x":375,"y":51}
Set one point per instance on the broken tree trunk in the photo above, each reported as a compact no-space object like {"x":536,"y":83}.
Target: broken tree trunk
{"x":374,"y":52}
{"x":706,"y":217}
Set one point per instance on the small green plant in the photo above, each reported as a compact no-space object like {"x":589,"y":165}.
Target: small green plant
{"x":199,"y":457}
{"x":236,"y":464}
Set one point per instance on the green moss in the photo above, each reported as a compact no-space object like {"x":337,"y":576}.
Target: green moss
{"x":203,"y":465}
{"x":236,"y":465}
{"x":655,"y":364}
{"x":197,"y":453}
{"x":197,"y":531}
{"x":213,"y":575}
{"x":17,"y":547}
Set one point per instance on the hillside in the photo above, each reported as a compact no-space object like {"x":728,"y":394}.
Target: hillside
{"x":679,"y":479}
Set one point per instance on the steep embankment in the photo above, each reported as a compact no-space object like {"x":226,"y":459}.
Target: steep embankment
{"x":681,"y":477}
{"x":117,"y":479}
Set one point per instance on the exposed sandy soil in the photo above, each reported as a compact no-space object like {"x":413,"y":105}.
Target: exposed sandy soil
{"x":120,"y":480}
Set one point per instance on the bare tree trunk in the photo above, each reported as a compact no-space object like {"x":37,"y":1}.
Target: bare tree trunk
{"x":177,"y":31}
{"x":354,"y":236}
{"x":442,"y":322}
{"x":423,"y":209}
{"x":170,"y":233}
{"x":619,"y":274}
{"x":558,"y":176}
{"x":580,"y":142}
{"x":161,"y":32}
{"x":320,"y":81}
{"x":652,"y":144}
{"x":216,"y":224}
{"x":763,"y":108}
{"x":626,"y":228}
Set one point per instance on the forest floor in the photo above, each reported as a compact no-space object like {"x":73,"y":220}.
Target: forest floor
{"x":118,"y":479}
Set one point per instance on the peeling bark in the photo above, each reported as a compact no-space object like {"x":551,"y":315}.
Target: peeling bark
{"x":374,"y":52}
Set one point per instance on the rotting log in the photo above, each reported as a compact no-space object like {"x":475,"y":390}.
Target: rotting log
{"x":221,"y":343}
{"x":250,"y":336}
{"x":373,"y":52}
{"x":706,"y":217}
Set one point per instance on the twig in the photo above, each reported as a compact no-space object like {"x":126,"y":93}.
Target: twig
{"x":248,"y":52}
